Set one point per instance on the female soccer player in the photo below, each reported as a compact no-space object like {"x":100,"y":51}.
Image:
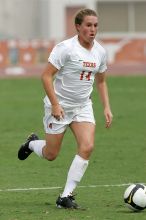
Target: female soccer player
{"x":74,"y":63}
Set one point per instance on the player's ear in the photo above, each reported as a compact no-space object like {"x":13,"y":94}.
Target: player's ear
{"x":77,"y":26}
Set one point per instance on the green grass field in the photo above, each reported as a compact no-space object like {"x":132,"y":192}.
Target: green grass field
{"x":119,"y":156}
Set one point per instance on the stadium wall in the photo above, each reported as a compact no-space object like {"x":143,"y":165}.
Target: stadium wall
{"x":27,"y":41}
{"x":28,"y":53}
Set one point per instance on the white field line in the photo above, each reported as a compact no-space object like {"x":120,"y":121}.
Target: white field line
{"x":59,"y":187}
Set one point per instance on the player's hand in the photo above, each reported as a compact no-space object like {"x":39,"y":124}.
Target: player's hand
{"x":108,"y":117}
{"x":57,"y":112}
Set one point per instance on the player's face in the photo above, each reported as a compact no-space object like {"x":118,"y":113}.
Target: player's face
{"x":88,"y":29}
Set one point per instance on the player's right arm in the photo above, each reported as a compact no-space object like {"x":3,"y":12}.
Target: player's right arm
{"x":47,"y":79}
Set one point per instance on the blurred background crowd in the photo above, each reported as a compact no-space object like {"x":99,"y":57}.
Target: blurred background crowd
{"x":30,"y":28}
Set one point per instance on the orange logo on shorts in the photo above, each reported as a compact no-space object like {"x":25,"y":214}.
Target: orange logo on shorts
{"x":50,"y":125}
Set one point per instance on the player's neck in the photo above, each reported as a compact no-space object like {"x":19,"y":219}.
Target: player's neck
{"x":87,"y":45}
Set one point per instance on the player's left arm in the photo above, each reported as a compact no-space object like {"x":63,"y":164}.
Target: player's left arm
{"x":101,"y":85}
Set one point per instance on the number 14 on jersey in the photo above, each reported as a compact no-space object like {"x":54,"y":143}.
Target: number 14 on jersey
{"x":85,"y":75}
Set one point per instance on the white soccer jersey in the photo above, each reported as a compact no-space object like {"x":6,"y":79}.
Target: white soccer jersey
{"x":77,"y":67}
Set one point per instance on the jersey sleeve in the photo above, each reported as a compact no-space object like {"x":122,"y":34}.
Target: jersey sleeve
{"x":58,"y":56}
{"x":103,"y":65}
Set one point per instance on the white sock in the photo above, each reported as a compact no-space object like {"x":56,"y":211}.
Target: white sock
{"x":75,"y":174}
{"x":37,"y":146}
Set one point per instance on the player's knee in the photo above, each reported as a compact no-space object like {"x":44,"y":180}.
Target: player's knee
{"x":89,"y":147}
{"x":50,"y":156}
{"x":86,"y":149}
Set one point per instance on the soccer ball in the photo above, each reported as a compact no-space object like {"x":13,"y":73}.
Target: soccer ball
{"x":135,"y":197}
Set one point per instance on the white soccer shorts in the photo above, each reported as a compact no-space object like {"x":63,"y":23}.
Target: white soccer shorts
{"x":79,"y":114}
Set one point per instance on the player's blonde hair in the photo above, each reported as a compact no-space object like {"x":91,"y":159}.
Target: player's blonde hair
{"x":82,"y":13}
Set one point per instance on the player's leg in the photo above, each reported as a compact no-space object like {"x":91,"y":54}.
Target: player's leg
{"x":50,"y":147}
{"x":53,"y":145}
{"x":84,"y":134}
{"x":47,"y":149}
{"x":83,"y":127}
